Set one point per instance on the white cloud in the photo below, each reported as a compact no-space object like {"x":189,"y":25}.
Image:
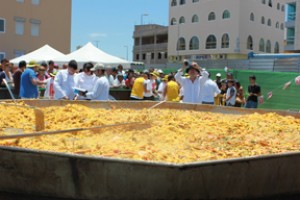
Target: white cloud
{"x":96,"y":35}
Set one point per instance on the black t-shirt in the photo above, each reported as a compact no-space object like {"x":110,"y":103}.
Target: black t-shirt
{"x":253,"y":89}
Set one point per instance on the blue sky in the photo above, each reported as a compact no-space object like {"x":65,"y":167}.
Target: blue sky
{"x":110,"y":23}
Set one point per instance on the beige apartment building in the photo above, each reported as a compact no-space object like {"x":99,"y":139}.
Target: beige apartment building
{"x":26,"y":25}
{"x":150,"y":44}
{"x":292,"y":25}
{"x":231,"y":29}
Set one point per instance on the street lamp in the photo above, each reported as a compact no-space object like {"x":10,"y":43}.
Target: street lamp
{"x":142,"y":17}
{"x":126,"y":51}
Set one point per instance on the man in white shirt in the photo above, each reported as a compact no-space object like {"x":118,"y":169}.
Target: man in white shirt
{"x":100,"y":90}
{"x":64,"y":82}
{"x":210,"y":90}
{"x":85,"y":80}
{"x":193,"y":85}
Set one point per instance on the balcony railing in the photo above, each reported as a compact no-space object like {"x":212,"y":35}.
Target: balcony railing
{"x":290,"y":40}
{"x":162,"y":46}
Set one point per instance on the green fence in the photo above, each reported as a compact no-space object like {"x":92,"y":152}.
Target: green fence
{"x":274,"y":82}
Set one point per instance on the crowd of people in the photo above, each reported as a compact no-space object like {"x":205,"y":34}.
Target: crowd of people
{"x":190,"y":84}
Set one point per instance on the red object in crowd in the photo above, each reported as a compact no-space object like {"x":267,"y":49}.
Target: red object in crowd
{"x":297,"y":80}
{"x":51,"y":91}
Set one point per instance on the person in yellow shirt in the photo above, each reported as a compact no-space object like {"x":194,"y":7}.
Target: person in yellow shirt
{"x":139,"y":88}
{"x":171,"y":91}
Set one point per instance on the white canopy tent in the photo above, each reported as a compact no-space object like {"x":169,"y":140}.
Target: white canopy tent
{"x":42,"y":54}
{"x":90,"y":53}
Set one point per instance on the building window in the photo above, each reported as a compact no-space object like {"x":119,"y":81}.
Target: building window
{"x":19,"y":27}
{"x":211,"y":16}
{"x":35,"y":2}
{"x":226,"y":14}
{"x":250,"y":43}
{"x":278,"y":6}
{"x":225,"y":41}
{"x":35,"y":27}
{"x":262,"y":45}
{"x":262,"y":20}
{"x":152,"y":56}
{"x":195,"y":19}
{"x":20,"y":1}
{"x":194,"y":43}
{"x":269,"y":22}
{"x":35,"y":30}
{"x":173,"y":21}
{"x":159,"y":56}
{"x":263,"y":1}
{"x":268,"y":47}
{"x":194,"y":1}
{"x":181,"y":20}
{"x":290,"y":36}
{"x":276,"y":48}
{"x":144,"y":56}
{"x":19,"y":53}
{"x":252,"y":17}
{"x":270,"y":3}
{"x":181,"y":44}
{"x":2,"y":55}
{"x":174,"y":3}
{"x":281,"y":26}
{"x":182,"y":2}
{"x":137,"y":57}
{"x":2,"y":25}
{"x":211,"y":42}
{"x":282,"y":8}
{"x":277,"y":25}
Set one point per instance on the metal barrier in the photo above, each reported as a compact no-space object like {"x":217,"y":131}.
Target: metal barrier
{"x":272,"y":65}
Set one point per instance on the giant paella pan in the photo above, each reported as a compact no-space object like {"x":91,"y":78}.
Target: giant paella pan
{"x":130,"y":150}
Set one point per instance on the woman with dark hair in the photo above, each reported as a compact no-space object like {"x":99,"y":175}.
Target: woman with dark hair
{"x":240,"y":99}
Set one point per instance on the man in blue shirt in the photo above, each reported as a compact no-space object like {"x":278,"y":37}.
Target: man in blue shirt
{"x":29,"y":82}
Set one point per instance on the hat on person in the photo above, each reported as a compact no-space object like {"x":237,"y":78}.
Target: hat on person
{"x":154,"y":74}
{"x":192,"y":67}
{"x":98,"y":67}
{"x":218,"y":75}
{"x":165,"y":78}
{"x":53,"y":74}
{"x":120,"y":74}
{"x":33,"y":64}
{"x":160,"y":71}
